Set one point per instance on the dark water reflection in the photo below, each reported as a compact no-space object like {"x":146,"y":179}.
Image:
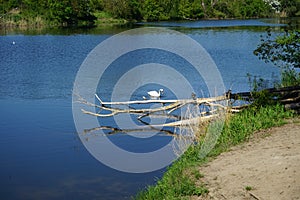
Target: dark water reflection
{"x":41,"y":155}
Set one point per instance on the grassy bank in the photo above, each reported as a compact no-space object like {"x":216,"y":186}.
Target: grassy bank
{"x":17,"y":20}
{"x":179,"y":180}
{"x":106,"y":19}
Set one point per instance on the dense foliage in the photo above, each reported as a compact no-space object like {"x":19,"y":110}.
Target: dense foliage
{"x":86,"y":11}
{"x":290,"y":7}
{"x":56,"y":12}
{"x":284,"y":51}
{"x":281,"y":50}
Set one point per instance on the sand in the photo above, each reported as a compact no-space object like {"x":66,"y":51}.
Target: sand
{"x":266,"y":167}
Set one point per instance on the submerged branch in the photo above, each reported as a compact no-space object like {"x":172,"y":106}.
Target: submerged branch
{"x":113,"y":130}
{"x":164,"y":110}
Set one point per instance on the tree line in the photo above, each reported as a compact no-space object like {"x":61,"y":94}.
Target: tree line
{"x":85,"y":11}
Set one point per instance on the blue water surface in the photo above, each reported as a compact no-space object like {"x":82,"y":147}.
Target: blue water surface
{"x":41,"y":156}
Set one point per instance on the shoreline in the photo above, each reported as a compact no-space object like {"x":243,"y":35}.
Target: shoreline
{"x":267,"y":167}
{"x":183,"y":179}
{"x":110,"y":25}
{"x":42,"y":24}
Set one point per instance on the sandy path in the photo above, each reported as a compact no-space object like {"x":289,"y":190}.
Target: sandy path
{"x":269,"y":166}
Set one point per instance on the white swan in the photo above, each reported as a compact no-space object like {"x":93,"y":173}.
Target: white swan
{"x":155,"y":94}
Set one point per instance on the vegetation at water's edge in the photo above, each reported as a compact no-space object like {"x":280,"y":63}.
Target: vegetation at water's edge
{"x":182,"y":178}
{"x":91,"y":12}
{"x":180,"y":181}
{"x":283,"y":51}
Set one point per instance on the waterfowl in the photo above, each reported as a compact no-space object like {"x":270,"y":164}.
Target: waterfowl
{"x":155,"y":94}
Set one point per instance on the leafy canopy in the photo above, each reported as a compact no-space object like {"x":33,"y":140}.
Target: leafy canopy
{"x":283,"y":50}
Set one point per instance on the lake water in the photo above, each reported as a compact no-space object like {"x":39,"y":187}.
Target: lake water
{"x":41,"y":156}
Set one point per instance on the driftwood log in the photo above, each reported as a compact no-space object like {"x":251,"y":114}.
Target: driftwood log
{"x":209,"y":108}
{"x":288,"y":96}
{"x":166,"y":106}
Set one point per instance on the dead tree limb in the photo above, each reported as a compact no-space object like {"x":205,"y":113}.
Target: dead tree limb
{"x":208,"y":109}
{"x":173,"y":105}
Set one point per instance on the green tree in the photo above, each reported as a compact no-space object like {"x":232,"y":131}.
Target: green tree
{"x":184,"y":9}
{"x":82,"y":11}
{"x":256,"y":8}
{"x":127,"y":9}
{"x":221,"y":9}
{"x":71,"y":12}
{"x":290,"y":7}
{"x":135,"y":9}
{"x":283,"y":51}
{"x":6,"y":6}
{"x":152,"y":10}
{"x":190,"y":10}
{"x":61,"y":11}
{"x":117,"y":8}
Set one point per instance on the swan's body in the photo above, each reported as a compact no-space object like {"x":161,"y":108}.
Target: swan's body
{"x":155,"y":94}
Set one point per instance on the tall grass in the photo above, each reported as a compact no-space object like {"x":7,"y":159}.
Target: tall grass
{"x":18,"y":21}
{"x":289,"y":77}
{"x":104,"y":18}
{"x":179,"y":182}
{"x":240,"y":127}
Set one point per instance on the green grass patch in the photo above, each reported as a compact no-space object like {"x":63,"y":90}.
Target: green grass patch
{"x":241,"y":126}
{"x":181,"y":180}
{"x":105,"y":18}
{"x":102,"y":15}
{"x":248,"y":188}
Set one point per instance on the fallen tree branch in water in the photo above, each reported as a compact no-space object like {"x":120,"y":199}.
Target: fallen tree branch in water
{"x":209,"y":108}
{"x":172,"y":106}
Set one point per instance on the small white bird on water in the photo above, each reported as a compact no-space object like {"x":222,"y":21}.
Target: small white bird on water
{"x":155,"y":94}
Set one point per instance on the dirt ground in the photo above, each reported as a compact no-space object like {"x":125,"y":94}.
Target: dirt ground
{"x":265,"y":168}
